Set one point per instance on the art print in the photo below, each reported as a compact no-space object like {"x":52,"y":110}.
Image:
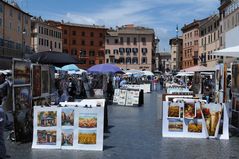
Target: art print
{"x":87,"y":137}
{"x":67,"y":137}
{"x":21,"y":71}
{"x":88,"y":120}
{"x":47,"y":118}
{"x":67,"y":117}
{"x":22,"y":98}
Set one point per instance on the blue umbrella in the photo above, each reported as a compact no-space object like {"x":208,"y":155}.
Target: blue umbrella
{"x":104,"y":68}
{"x":57,"y":68}
{"x":70,"y":67}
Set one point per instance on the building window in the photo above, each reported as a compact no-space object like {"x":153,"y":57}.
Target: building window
{"x":144,"y":60}
{"x":73,"y":32}
{"x":65,"y":31}
{"x":10,"y":13}
{"x":128,"y":60}
{"x":19,"y":16}
{"x":10,"y":26}
{"x":91,"y":62}
{"x":59,"y":46}
{"x":55,"y":45}
{"x":121,"y":40}
{"x":74,"y":51}
{"x":65,"y":41}
{"x":116,"y":51}
{"x":83,"y":33}
{"x":100,"y":43}
{"x":39,"y":41}
{"x":92,"y":53}
{"x":128,"y":40}
{"x":26,"y":19}
{"x":135,"y":60}
{"x":91,"y":43}
{"x":47,"y":43}
{"x":107,"y":51}
{"x":128,"y":51}
{"x":195,"y":42}
{"x":144,"y":51}
{"x":91,"y":34}
{"x":101,"y":35}
{"x":100,"y":53}
{"x":116,"y":41}
{"x":121,"y":50}
{"x":83,"y":42}
{"x":82,"y":53}
{"x":73,"y":42}
{"x":143,"y":40}
{"x":135,"y":50}
{"x":135,"y":41}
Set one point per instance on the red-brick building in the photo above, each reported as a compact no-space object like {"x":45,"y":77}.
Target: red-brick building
{"x":85,"y":42}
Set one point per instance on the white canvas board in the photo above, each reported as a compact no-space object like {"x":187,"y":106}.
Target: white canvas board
{"x":47,"y":130}
{"x":181,"y":128}
{"x":88,"y":102}
{"x":88,"y":135}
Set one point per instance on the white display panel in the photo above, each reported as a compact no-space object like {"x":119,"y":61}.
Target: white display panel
{"x":69,"y":127}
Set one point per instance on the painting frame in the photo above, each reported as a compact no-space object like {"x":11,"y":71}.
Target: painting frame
{"x":36,"y":80}
{"x":45,"y":80}
{"x":21,"y":72}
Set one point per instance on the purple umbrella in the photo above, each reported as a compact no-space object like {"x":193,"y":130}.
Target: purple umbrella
{"x":104,"y":68}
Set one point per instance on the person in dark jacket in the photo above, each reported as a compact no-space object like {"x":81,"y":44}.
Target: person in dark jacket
{"x":2,"y":142}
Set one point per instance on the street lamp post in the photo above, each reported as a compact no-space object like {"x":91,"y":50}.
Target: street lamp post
{"x":23,"y":41}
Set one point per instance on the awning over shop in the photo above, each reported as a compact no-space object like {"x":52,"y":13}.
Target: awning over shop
{"x":198,"y":69}
{"x":230,"y":52}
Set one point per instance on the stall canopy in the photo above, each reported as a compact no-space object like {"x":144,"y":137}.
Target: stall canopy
{"x":230,"y":52}
{"x":71,"y":67}
{"x":104,"y":68}
{"x":197,"y":69}
{"x":79,"y":72}
{"x":54,"y":58}
{"x":148,"y":73}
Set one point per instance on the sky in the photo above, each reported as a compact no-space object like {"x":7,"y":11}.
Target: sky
{"x":161,"y":15}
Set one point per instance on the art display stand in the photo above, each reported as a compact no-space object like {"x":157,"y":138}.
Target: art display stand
{"x":171,"y":90}
{"x":128,"y":97}
{"x":74,"y":125}
{"x":22,"y":102}
{"x":195,"y":120}
{"x":145,"y":87}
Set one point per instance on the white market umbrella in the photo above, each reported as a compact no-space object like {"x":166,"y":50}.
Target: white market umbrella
{"x":230,"y":52}
{"x":148,"y":73}
{"x":79,"y":72}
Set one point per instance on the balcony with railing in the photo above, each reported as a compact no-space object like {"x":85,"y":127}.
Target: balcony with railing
{"x":12,"y":49}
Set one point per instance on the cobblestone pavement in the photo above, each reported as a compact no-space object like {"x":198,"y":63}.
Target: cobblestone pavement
{"x":135,"y":133}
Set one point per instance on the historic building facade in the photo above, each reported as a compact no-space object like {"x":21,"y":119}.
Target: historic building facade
{"x":176,"y":51}
{"x":45,"y":37}
{"x":131,"y":47}
{"x":209,"y":41}
{"x":15,"y":30}
{"x":85,"y":42}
